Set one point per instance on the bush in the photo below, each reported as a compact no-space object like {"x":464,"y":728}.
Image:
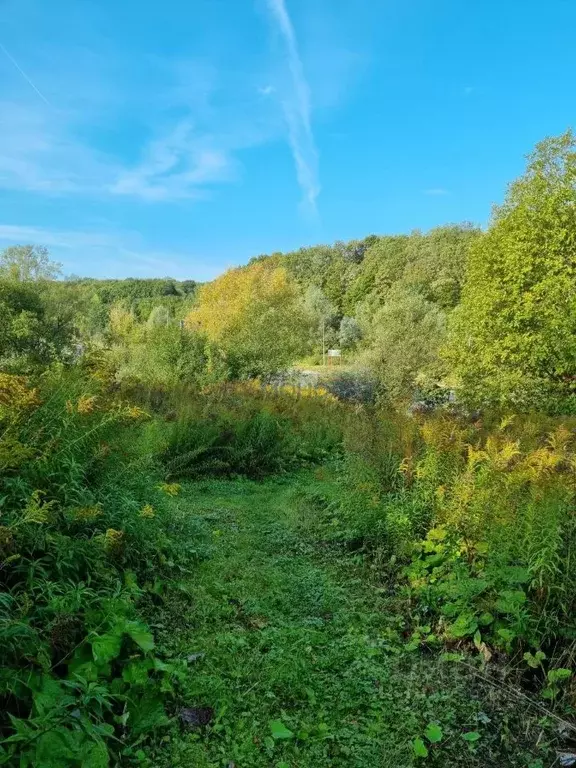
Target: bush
{"x":85,"y":534}
{"x":480,"y":517}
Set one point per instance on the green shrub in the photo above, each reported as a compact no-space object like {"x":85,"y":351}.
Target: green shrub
{"x":86,"y":532}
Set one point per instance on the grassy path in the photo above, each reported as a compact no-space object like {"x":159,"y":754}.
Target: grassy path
{"x":300,"y":657}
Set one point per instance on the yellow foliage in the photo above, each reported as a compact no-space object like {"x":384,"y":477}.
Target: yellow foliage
{"x":147,"y":511}
{"x":87,"y":514}
{"x":255,"y":315}
{"x":172,"y":489}
{"x":134,"y":412}
{"x":113,"y":540}
{"x":15,"y":395}
{"x":227,"y":303}
{"x":122,"y":322}
{"x":13,"y":453}
{"x":36,"y":510}
{"x":86,"y":404}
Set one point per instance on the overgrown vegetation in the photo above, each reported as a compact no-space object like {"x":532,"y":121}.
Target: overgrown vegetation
{"x":448,"y":492}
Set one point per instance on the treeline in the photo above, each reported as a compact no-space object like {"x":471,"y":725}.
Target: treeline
{"x":490,"y":314}
{"x":485,"y":316}
{"x":386,"y":300}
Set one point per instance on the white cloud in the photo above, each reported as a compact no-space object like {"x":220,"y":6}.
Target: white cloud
{"x":177,"y":165}
{"x":297,"y":110}
{"x":436,"y":191}
{"x":39,"y":153}
{"x":182,"y":149}
{"x":266,"y":90}
{"x":111,"y":254}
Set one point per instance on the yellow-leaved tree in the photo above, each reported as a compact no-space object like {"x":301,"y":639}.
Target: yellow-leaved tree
{"x":255,"y":314}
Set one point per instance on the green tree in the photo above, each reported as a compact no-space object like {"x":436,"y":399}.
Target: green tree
{"x":512,"y":340}
{"x":27,"y":262}
{"x":159,"y":316}
{"x":436,"y":262}
{"x":31,"y":333}
{"x":256,"y":315}
{"x":403,"y":340}
{"x":350,"y":333}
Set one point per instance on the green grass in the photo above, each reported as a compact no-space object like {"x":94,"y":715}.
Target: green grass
{"x":304,"y":658}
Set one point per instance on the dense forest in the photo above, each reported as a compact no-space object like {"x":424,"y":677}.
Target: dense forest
{"x":209,"y":559}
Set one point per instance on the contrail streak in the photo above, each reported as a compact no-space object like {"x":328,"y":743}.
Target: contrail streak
{"x":24,"y":75}
{"x":297,"y":110}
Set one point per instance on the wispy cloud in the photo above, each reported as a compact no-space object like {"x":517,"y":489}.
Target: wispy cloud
{"x":113,"y":254}
{"x":178,"y":164}
{"x":40,"y":153}
{"x":436,"y":191}
{"x":182,"y":146}
{"x":297,"y":110}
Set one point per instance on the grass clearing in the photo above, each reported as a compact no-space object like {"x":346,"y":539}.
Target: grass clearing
{"x":297,"y":655}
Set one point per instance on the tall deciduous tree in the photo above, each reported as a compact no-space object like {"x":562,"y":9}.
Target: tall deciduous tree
{"x":403,"y":340}
{"x":256,"y":315}
{"x":27,"y":262}
{"x":513,"y":337}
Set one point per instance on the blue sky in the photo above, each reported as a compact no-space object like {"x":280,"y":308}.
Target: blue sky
{"x":184,"y":136}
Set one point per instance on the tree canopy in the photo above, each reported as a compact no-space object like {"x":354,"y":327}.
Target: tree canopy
{"x":256,"y":315}
{"x":512,"y":340}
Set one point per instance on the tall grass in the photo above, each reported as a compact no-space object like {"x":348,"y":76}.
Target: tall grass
{"x":246,"y":428}
{"x":481,"y":515}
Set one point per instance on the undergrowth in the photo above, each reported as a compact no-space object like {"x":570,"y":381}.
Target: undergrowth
{"x":474,"y":521}
{"x":88,"y":529}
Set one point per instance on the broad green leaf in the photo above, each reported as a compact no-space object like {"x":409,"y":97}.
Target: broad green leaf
{"x":95,"y":756}
{"x":420,"y":749}
{"x":471,"y":736}
{"x":106,"y":647}
{"x":485,"y":618}
{"x":146,"y":713}
{"x":136,"y":672}
{"x":141,"y":635}
{"x":555,"y":675}
{"x":279,"y":730}
{"x":465,"y":625}
{"x":88,"y":670}
{"x":510,"y":601}
{"x":507,"y":635}
{"x":56,"y":748}
{"x":433,"y":733}
{"x":50,"y":696}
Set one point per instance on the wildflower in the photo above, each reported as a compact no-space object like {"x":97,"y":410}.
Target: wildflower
{"x":147,"y":511}
{"x":172,"y":489}
{"x":36,"y":510}
{"x":87,"y":514}
{"x":113,"y":540}
{"x":13,"y":453}
{"x":86,"y":404}
{"x":15,"y":396}
{"x":134,"y":412}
